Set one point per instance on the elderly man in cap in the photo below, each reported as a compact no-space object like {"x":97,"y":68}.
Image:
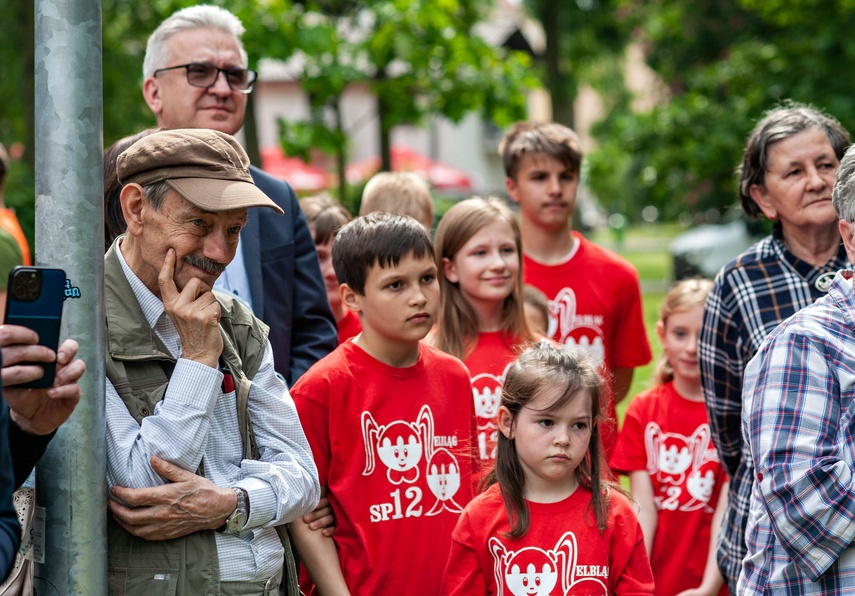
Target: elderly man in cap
{"x":192,"y":396}
{"x":196,"y":77}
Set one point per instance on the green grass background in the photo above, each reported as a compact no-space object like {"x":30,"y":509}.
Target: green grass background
{"x":646,"y":247}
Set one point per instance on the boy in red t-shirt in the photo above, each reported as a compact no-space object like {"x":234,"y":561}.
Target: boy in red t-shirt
{"x":389,"y":420}
{"x":594,"y":294}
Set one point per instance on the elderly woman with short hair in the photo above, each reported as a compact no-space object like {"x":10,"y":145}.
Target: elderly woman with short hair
{"x":787,"y":175}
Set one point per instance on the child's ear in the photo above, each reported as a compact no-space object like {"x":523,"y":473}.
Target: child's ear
{"x":505,"y":422}
{"x":511,"y":187}
{"x":660,"y":330}
{"x":350,"y":299}
{"x":449,"y":270}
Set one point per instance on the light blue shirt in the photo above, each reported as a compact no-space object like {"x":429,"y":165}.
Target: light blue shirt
{"x":234,"y":279}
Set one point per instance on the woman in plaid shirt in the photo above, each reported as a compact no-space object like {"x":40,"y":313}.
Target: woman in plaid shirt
{"x":787,"y":175}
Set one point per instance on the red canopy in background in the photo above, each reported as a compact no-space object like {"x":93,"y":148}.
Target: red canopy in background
{"x":302,"y":176}
{"x":404,"y":159}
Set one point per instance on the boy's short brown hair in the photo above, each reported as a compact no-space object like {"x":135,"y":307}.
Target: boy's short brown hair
{"x":539,"y":138}
{"x":382,"y":239}
{"x":398,"y":192}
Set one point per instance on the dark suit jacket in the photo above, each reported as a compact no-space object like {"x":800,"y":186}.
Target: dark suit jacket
{"x":285,"y":282}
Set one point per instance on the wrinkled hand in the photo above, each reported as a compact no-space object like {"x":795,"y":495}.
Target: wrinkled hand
{"x":195,"y":313}
{"x":189,"y":503}
{"x":321,"y":518}
{"x":39,"y":411}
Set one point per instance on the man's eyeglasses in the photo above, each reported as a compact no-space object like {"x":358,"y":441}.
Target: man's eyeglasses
{"x":205,"y":76}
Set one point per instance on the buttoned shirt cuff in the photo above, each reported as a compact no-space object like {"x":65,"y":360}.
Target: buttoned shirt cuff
{"x":262,"y":501}
{"x":198,"y":385}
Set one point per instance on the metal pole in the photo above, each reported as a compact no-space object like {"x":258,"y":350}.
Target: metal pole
{"x":71,"y":477}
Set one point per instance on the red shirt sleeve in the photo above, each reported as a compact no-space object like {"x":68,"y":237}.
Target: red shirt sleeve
{"x":463,"y":575}
{"x":630,"y":453}
{"x":629,"y":566}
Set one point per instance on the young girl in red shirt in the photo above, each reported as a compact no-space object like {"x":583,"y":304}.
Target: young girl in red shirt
{"x":549,"y":524}
{"x":481,"y":319}
{"x":665,"y":448}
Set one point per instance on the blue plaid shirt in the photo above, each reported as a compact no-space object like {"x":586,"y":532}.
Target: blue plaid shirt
{"x":751,"y":296}
{"x":799,"y":401}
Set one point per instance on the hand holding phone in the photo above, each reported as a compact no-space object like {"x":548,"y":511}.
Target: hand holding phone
{"x":39,"y":411}
{"x":34,"y":300}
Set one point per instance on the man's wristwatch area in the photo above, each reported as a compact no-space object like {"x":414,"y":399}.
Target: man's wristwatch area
{"x":236,"y":522}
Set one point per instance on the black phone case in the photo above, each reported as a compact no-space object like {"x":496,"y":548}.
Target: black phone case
{"x":43,"y":315}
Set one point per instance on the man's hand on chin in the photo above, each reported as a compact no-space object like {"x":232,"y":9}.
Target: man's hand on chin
{"x":195,"y":313}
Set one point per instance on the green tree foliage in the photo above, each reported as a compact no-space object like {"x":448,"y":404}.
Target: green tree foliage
{"x":724,"y":64}
{"x":584,"y":42}
{"x":17,"y":89}
{"x":419,"y":57}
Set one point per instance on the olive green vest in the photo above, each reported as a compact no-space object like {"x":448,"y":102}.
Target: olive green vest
{"x":139,"y":366}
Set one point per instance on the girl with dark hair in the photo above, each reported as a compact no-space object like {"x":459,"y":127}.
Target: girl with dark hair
{"x":550,"y":522}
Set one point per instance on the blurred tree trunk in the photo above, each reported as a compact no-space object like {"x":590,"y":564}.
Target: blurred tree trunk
{"x":341,"y":152}
{"x":250,"y":132}
{"x":384,"y":127}
{"x":561,"y":85}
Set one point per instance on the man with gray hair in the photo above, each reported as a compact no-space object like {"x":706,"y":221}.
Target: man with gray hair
{"x":196,"y":77}
{"x":205,"y":453}
{"x":797,"y":418}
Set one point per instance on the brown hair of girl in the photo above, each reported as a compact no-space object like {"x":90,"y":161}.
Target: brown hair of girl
{"x":457,"y":329}
{"x":540,"y":367}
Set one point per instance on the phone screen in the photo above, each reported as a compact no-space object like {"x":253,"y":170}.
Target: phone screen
{"x":34,"y":297}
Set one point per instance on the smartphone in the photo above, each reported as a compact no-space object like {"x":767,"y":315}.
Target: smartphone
{"x":34,"y":297}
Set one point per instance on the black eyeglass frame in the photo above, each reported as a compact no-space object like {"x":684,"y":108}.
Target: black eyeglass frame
{"x":250,"y":86}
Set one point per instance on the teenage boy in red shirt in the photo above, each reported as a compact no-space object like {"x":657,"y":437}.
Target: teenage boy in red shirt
{"x":594,"y":294}
{"x":389,"y":420}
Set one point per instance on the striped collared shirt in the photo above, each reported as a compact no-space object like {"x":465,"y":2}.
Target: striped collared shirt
{"x":799,"y":401}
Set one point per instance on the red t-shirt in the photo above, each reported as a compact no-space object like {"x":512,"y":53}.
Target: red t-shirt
{"x":487,"y":365}
{"x":562,"y":553}
{"x":669,"y":436}
{"x":349,"y":326}
{"x":394,"y":447}
{"x":595,"y":304}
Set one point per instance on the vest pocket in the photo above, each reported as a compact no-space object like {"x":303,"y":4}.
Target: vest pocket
{"x":143,"y":582}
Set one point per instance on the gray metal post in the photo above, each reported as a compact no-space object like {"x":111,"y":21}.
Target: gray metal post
{"x":71,"y":478}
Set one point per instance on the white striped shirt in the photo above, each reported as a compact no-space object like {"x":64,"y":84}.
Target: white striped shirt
{"x":196,"y":422}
